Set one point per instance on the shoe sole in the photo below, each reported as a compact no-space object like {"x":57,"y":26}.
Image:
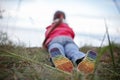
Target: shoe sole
{"x":62,"y":62}
{"x":88,"y":63}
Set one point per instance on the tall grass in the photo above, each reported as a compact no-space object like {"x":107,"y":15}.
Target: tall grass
{"x":110,"y":69}
{"x":110,"y":46}
{"x":105,"y":70}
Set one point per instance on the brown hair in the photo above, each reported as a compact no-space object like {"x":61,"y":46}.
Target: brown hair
{"x":58,"y":14}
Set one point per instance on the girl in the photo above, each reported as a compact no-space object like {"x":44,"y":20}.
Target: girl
{"x":59,"y":43}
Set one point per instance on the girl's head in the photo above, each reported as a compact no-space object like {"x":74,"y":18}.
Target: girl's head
{"x":58,"y":15}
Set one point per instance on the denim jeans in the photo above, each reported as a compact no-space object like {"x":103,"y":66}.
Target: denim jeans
{"x":67,"y":47}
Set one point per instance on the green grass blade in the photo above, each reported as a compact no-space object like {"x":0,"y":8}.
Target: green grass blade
{"x":110,"y":47}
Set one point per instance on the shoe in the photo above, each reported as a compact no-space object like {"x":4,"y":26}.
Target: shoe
{"x":87,"y":65}
{"x":60,"y":61}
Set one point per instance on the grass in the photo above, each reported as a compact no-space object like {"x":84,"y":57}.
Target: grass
{"x":18,"y":62}
{"x":105,"y":69}
{"x":27,"y":65}
{"x":110,"y":62}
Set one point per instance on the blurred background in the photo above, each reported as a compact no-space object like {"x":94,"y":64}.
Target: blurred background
{"x":25,"y":20}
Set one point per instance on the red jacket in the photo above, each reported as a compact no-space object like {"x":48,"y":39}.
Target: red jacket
{"x":62,"y":30}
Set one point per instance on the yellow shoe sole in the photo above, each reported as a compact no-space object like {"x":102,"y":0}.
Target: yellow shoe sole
{"x":63,"y":63}
{"x":88,"y":64}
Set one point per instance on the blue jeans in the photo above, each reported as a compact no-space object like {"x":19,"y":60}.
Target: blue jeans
{"x":67,"y":47}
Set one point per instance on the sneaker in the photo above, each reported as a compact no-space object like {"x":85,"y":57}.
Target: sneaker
{"x":60,"y":61}
{"x":87,"y":65}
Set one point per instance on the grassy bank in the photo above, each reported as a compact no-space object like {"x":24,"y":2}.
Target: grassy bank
{"x":18,"y":62}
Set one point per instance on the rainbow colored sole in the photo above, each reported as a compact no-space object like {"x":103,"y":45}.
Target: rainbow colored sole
{"x":88,"y":64}
{"x":61,"y":62}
